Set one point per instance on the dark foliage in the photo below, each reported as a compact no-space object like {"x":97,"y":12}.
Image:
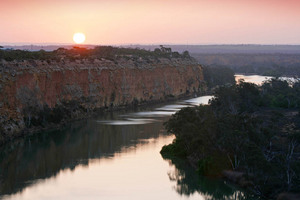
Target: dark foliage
{"x":215,"y":76}
{"x":249,"y":128}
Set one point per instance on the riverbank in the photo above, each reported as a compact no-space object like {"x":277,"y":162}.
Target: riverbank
{"x":27,"y":131}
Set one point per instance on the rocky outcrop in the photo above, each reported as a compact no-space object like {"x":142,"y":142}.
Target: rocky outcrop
{"x":36,"y":93}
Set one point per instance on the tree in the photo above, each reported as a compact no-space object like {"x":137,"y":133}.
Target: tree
{"x":186,"y":54}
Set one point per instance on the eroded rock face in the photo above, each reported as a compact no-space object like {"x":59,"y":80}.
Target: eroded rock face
{"x":29,"y":87}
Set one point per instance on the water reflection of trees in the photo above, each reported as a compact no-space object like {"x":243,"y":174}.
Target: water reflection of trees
{"x":189,"y":182}
{"x":41,"y":156}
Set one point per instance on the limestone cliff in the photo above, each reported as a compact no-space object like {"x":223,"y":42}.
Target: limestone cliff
{"x":36,"y":92}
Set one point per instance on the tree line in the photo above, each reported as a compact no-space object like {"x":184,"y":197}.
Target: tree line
{"x":106,"y":52}
{"x":246,"y":128}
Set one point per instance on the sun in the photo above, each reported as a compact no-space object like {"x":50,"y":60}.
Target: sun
{"x":79,"y":38}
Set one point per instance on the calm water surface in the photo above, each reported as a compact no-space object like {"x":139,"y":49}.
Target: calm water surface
{"x":114,"y":156}
{"x":253,"y":78}
{"x":257,"y":79}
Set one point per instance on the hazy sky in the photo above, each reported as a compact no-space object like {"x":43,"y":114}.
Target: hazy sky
{"x":151,"y":21}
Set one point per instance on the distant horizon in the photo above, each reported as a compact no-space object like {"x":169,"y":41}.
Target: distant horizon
{"x":192,"y":48}
{"x":152,"y":44}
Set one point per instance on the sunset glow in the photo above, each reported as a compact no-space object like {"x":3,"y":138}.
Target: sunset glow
{"x":79,"y":38}
{"x":151,"y":22}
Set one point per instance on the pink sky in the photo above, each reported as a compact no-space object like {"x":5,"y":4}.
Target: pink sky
{"x":151,"y":21}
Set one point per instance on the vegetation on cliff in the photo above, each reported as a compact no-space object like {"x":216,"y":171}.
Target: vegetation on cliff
{"x":100,"y":52}
{"x":248,"y":128}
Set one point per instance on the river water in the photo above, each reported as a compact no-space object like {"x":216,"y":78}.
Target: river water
{"x":113,"y":156}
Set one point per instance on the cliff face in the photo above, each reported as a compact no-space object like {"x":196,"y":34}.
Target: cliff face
{"x":29,"y":88}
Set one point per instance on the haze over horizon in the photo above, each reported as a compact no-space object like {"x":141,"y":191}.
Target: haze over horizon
{"x":120,"y":22}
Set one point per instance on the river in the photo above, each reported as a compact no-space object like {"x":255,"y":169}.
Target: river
{"x":113,"y":156}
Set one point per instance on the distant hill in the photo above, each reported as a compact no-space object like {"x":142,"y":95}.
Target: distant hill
{"x":240,"y":49}
{"x":231,"y":49}
{"x":194,"y":49}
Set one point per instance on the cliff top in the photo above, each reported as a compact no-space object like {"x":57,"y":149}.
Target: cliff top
{"x":98,"y":57}
{"x":99,"y":52}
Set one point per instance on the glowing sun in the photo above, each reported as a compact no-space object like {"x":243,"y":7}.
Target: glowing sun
{"x":79,"y":38}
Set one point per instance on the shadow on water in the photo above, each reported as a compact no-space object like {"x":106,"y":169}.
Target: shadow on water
{"x":27,"y":160}
{"x":189,"y":182}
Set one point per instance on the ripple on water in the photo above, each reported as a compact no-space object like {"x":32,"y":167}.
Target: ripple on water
{"x":197,"y":101}
{"x":172,"y":107}
{"x":147,"y":117}
{"x":127,"y":121}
